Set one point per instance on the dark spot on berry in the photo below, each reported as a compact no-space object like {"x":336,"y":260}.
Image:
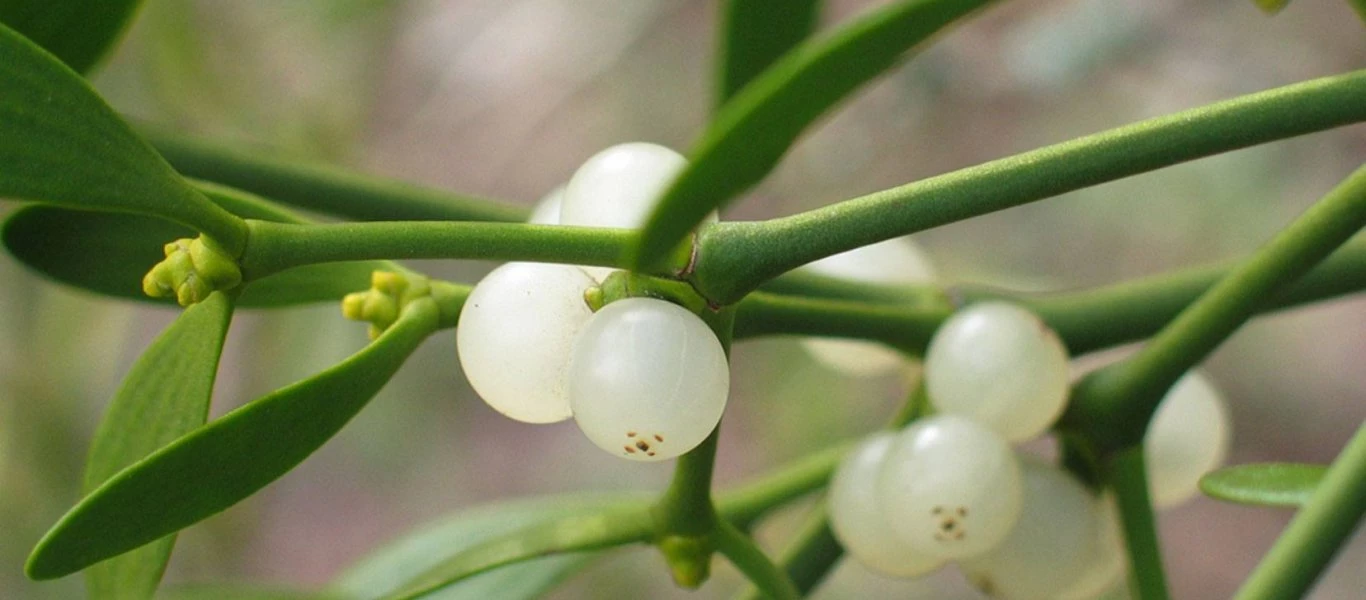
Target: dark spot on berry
{"x":937,"y":510}
{"x":962,"y":511}
{"x":642,"y":445}
{"x":630,"y":434}
{"x":649,"y":454}
{"x":659,"y":438}
{"x":629,"y":450}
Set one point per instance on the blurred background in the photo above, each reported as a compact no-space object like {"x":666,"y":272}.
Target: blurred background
{"x":505,"y":98}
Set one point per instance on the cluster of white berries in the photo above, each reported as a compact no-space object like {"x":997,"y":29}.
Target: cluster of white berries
{"x":950,"y":488}
{"x":644,"y":378}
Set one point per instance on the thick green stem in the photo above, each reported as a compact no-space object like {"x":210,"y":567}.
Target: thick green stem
{"x":756,"y":566}
{"x":274,"y":247}
{"x":807,"y":474}
{"x":1114,"y":404}
{"x":322,"y":188}
{"x":732,"y":261}
{"x":1318,"y":531}
{"x":1127,"y":473}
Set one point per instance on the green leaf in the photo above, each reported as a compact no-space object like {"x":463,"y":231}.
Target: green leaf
{"x":754,"y":33}
{"x":626,"y":522}
{"x":240,"y":591}
{"x":108,"y":253}
{"x":78,"y":31}
{"x":1271,"y":7}
{"x":1264,"y":484}
{"x":754,"y":129}
{"x":63,"y":145}
{"x":164,"y":396}
{"x":323,"y":188}
{"x":227,"y":460}
{"x":392,"y":566}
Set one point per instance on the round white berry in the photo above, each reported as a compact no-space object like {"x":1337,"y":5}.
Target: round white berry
{"x":547,"y":210}
{"x":647,"y":379}
{"x":1187,"y":437}
{"x":894,"y":261}
{"x":998,"y":364}
{"x":857,"y":518}
{"x":950,"y":487}
{"x":515,"y":334}
{"x":1049,"y":548}
{"x":1105,"y":567}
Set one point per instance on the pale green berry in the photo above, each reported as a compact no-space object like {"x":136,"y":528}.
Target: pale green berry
{"x":950,"y":487}
{"x":894,"y":261}
{"x":547,"y":210}
{"x":998,"y":364}
{"x":619,"y":187}
{"x":515,"y":334}
{"x":1187,"y":437}
{"x":1105,"y":566}
{"x":1049,"y":548}
{"x":647,"y":379}
{"x":857,"y":518}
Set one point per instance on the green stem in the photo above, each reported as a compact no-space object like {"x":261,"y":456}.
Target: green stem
{"x":809,"y":556}
{"x":1114,"y":404}
{"x":322,"y":188}
{"x":1086,"y":320}
{"x":732,"y":261}
{"x":744,"y":505}
{"x":1128,"y":476}
{"x":274,"y":247}
{"x":754,"y":564}
{"x":1317,"y":532}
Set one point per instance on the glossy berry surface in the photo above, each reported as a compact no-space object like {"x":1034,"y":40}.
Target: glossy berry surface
{"x":857,"y":518}
{"x":516,"y":331}
{"x":1187,"y":437}
{"x":647,"y":380}
{"x":950,"y":487}
{"x":998,"y":364}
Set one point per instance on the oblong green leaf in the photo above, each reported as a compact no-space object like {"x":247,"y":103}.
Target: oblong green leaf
{"x":389,"y":568}
{"x":754,"y":129}
{"x":754,"y":33}
{"x":324,"y":188}
{"x":78,"y":31}
{"x":63,"y":145}
{"x":576,"y":532}
{"x":108,"y":253}
{"x":227,"y":460}
{"x":164,"y":396}
{"x":1264,"y":484}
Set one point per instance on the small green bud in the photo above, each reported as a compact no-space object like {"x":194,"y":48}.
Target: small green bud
{"x":193,"y":269}
{"x":689,"y":559}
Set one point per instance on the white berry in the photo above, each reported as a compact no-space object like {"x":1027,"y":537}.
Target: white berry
{"x":894,"y":261}
{"x":857,"y":518}
{"x":1107,"y":558}
{"x":1049,"y":548}
{"x":950,"y":487}
{"x":647,"y":379}
{"x":999,"y":364}
{"x":1187,"y":437}
{"x":619,"y":187}
{"x":515,"y":334}
{"x":547,"y":210}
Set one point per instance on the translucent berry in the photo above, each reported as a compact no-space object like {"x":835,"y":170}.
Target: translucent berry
{"x":894,"y":261}
{"x":1187,"y":437}
{"x":857,"y":518}
{"x":950,"y":487}
{"x":647,"y":379}
{"x":1049,"y":548}
{"x":547,"y":210}
{"x":1105,"y":565}
{"x":515,"y":334}
{"x":1000,"y":365}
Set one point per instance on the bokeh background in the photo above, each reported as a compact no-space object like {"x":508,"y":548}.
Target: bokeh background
{"x":505,"y":98}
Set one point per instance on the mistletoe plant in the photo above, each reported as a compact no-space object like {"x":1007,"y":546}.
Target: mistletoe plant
{"x":636,"y":351}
